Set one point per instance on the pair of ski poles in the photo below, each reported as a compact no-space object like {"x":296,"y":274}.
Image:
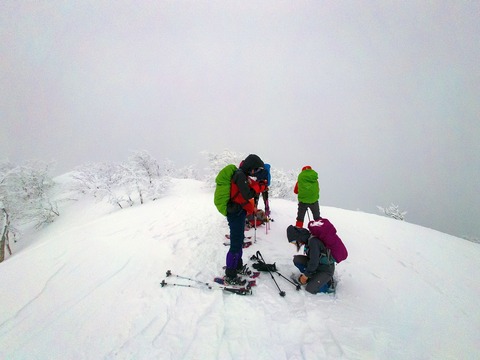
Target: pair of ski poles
{"x":201,"y":284}
{"x":259,"y":257}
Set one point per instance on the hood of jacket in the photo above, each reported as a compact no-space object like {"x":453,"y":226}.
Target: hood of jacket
{"x":251,"y":162}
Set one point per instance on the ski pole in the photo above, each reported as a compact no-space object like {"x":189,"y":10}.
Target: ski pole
{"x":260,"y":257}
{"x":267,"y":216}
{"x":297,"y":287}
{"x":256,"y":257}
{"x":238,"y":291}
{"x":169,"y":273}
{"x":200,"y":285}
{"x":255,"y":227}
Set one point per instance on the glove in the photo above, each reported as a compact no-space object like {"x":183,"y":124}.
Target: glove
{"x":261,"y":266}
{"x":303,"y":279}
{"x":258,"y":187}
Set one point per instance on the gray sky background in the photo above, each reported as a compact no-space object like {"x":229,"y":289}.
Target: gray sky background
{"x":380,"y":97}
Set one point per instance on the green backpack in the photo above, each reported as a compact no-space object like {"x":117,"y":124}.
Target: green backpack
{"x":222,"y":189}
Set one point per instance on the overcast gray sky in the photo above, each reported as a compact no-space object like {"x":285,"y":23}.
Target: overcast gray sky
{"x":380,"y":97}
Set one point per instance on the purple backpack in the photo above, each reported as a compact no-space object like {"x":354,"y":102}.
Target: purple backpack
{"x":326,"y":232}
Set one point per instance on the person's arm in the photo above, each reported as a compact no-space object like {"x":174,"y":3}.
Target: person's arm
{"x":313,"y":256}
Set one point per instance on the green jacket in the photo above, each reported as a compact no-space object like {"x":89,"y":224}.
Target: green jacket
{"x":308,"y":188}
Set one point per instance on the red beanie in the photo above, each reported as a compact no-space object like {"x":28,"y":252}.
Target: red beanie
{"x":307,"y":168}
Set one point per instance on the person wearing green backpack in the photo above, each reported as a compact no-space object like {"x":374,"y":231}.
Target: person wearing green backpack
{"x":243,"y":189}
{"x":308,"y":191}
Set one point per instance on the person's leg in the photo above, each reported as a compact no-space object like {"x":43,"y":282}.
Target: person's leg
{"x":265,"y":201}
{"x":300,"y":261}
{"x":302,"y":209}
{"x":236,"y":222}
{"x":315,"y":208}
{"x":319,"y":280}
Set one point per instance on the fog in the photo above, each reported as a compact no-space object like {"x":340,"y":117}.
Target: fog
{"x":380,"y":98}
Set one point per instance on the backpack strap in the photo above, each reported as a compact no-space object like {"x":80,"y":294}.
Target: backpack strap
{"x":236,"y":195}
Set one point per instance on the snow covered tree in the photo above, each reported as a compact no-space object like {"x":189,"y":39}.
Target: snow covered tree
{"x":4,"y":226}
{"x":113,"y":183}
{"x":25,"y":198}
{"x":140,"y":178}
{"x":187,"y":172}
{"x":147,"y":176}
{"x":218,"y":161}
{"x":282,"y":184}
{"x":88,"y":179}
{"x":101,"y":180}
{"x":393,"y":212}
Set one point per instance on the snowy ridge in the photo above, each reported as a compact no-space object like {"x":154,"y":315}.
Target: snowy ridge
{"x":88,"y":287}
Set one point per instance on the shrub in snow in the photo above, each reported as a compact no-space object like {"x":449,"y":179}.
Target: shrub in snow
{"x":393,"y":211}
{"x":139,"y":179}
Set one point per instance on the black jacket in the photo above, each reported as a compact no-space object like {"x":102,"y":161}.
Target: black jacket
{"x":318,"y":258}
{"x":240,"y":179}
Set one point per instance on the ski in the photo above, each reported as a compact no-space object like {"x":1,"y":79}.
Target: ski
{"x":245,"y":245}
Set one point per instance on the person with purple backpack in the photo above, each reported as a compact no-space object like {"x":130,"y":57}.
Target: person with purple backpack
{"x":322,"y":249}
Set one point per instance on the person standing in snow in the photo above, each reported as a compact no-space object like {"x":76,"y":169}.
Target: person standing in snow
{"x":317,"y":266}
{"x":265,"y":176}
{"x":242,"y":192}
{"x":308,"y":191}
{"x":260,"y":217}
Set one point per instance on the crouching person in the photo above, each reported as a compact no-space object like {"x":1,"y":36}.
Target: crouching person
{"x":316,"y":265}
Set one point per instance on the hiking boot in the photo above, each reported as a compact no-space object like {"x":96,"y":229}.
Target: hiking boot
{"x":234,"y":280}
{"x":328,"y":288}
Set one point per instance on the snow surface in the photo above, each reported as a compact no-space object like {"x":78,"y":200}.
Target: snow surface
{"x":88,"y":287}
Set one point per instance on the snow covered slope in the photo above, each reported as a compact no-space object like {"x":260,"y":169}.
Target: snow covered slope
{"x":88,"y":287}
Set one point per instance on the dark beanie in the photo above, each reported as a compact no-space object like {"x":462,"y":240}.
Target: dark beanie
{"x":297,"y":234}
{"x":251,"y":162}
